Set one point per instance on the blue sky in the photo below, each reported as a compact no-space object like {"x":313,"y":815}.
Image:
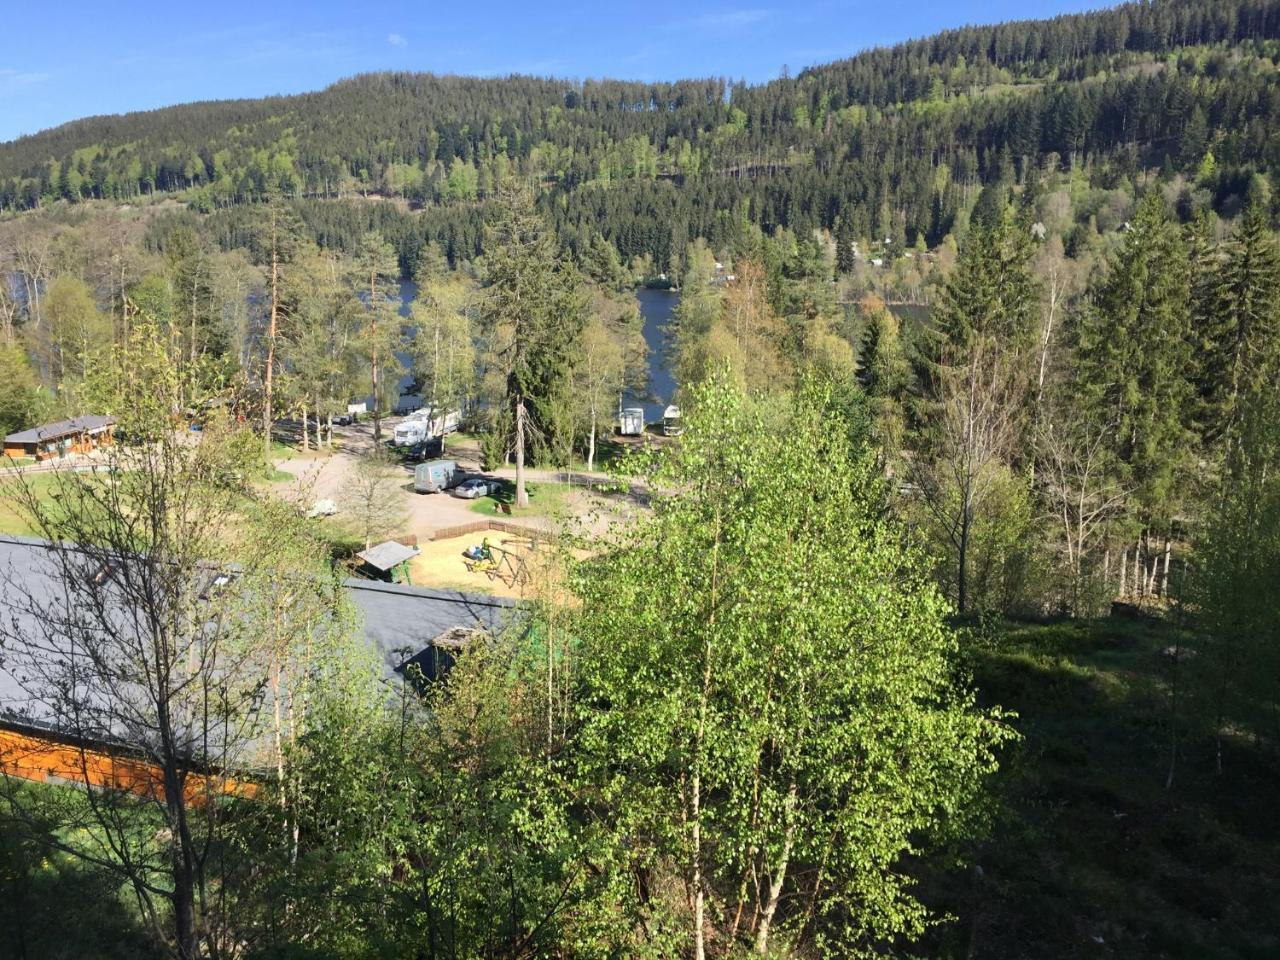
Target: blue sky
{"x":75,"y":58}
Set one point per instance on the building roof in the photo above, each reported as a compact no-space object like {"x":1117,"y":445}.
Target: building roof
{"x":62,"y":428}
{"x":399,"y":622}
{"x":387,"y":555}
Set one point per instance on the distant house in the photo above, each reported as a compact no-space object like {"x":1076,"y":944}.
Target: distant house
{"x":77,"y":435}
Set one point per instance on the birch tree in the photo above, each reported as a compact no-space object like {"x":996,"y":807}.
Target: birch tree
{"x":769,"y":709}
{"x":376,"y":270}
{"x":138,"y":634}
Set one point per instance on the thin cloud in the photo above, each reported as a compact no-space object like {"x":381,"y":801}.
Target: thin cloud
{"x":396,"y":40}
{"x":12,"y":80}
{"x":731,"y":19}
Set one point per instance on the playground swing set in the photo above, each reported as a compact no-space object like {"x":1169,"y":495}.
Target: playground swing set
{"x":496,"y":563}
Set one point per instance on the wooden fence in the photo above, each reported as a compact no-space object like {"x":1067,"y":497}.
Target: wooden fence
{"x":484,"y":526}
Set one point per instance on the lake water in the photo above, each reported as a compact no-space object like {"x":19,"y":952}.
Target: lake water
{"x":656,"y":307}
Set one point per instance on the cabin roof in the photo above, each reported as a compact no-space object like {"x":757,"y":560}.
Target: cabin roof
{"x":61,"y":428}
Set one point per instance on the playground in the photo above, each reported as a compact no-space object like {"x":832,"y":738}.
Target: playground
{"x":509,"y":568}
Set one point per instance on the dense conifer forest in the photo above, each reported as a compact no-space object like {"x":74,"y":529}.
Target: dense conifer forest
{"x":893,"y":142}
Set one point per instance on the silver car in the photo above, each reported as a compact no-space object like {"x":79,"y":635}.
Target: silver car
{"x":475,"y":487}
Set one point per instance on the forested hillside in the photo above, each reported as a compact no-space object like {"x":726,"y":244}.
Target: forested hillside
{"x":890,"y":143}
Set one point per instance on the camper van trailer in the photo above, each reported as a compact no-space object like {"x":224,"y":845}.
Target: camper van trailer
{"x":410,"y":433}
{"x":631,"y":421}
{"x":435,"y":476}
{"x":672,"y":424}
{"x":426,"y":424}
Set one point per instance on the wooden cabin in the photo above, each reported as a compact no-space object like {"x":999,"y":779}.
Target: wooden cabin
{"x":51,"y":440}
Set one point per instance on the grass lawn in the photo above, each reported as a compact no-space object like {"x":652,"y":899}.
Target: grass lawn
{"x":1091,"y":855}
{"x":545,"y":500}
{"x":53,"y":904}
{"x":460,"y":438}
{"x":11,"y":521}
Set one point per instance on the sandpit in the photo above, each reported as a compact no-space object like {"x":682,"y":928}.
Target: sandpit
{"x":440,"y":563}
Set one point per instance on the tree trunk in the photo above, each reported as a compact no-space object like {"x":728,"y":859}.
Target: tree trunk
{"x":272,"y":327}
{"x":306,"y":436}
{"x":591,"y":442}
{"x":373,"y":330}
{"x":1164,"y":577}
{"x":962,"y":585}
{"x":777,"y":880}
{"x":522,"y":495}
{"x":181,"y":857}
{"x":1124,"y":570}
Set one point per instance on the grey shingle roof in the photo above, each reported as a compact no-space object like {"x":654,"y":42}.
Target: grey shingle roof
{"x":60,"y":429}
{"x":398,"y":621}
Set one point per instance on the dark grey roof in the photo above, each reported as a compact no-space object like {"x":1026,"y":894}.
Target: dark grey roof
{"x":401,"y":621}
{"x":388,"y":555}
{"x":61,"y":428}
{"x":398,"y":621}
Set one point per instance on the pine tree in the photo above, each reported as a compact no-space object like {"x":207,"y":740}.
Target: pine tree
{"x":275,"y":246}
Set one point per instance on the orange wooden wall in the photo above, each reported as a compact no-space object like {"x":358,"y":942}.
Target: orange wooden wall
{"x":42,"y":760}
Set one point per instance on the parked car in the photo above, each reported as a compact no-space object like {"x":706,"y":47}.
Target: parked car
{"x":475,"y":487}
{"x":428,"y":449}
{"x":322,"y":508}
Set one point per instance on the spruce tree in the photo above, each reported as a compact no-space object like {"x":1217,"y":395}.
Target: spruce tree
{"x":1134,"y":357}
{"x":533,"y":312}
{"x":1245,"y":344}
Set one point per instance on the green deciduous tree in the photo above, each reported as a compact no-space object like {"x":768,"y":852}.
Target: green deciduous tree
{"x":770,"y":715}
{"x":373,"y":498}
{"x":975,"y":385}
{"x":443,"y":347}
{"x":74,"y":330}
{"x":598,"y":379}
{"x":163,"y":640}
{"x":21,"y":400}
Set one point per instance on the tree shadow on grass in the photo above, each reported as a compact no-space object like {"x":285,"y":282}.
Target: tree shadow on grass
{"x":1090,"y":854}
{"x":53,"y":906}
